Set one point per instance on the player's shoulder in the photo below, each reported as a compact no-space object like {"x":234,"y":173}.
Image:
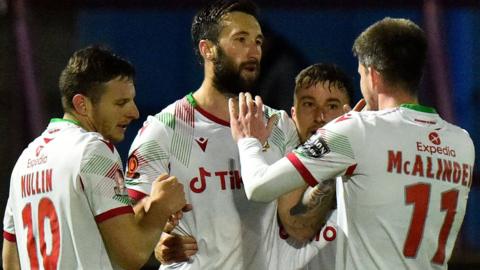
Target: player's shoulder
{"x":282,"y":115}
{"x":165,"y":116}
{"x":456,"y":129}
{"x":363,"y":118}
{"x":350,"y":119}
{"x":269,"y":111}
{"x":97,"y":146}
{"x":283,"y":124}
{"x":162,"y":125}
{"x":69,"y":135}
{"x":168,"y":117}
{"x":459,"y":134}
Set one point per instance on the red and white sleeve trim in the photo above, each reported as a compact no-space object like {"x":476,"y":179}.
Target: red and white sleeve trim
{"x":304,"y":172}
{"x":9,"y":236}
{"x":113,"y":213}
{"x":135,"y":194}
{"x":350,"y":170}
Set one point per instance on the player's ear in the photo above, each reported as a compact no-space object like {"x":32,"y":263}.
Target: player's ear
{"x":207,"y":49}
{"x":375,"y":78}
{"x":292,"y":112}
{"x":81,"y":104}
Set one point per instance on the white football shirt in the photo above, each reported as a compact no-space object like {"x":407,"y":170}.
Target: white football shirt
{"x":318,"y":254}
{"x":196,"y":147}
{"x":408,"y":174}
{"x":65,"y":182}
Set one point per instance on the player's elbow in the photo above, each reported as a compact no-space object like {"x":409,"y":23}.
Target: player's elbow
{"x":259,"y":193}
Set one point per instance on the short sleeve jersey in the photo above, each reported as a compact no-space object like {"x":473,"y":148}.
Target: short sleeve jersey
{"x":409,"y":174}
{"x":64,"y":183}
{"x":186,"y":141}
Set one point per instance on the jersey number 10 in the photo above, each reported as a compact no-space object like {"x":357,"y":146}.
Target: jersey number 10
{"x":419,"y":195}
{"x":46,"y":209}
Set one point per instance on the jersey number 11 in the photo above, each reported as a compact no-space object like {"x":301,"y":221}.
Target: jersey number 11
{"x":419,"y":195}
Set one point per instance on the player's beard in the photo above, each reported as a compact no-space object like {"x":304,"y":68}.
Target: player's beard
{"x":228,"y":78}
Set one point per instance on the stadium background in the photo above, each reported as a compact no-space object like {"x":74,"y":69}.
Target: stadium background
{"x":38,"y":36}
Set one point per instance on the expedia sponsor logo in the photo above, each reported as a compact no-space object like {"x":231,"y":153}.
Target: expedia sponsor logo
{"x":436,"y":148}
{"x":433,"y":149}
{"x":316,"y":147}
{"x":37,"y":161}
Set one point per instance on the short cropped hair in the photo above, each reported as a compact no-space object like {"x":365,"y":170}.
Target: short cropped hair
{"x":86,"y":72}
{"x":324,"y":73}
{"x":207,"y":23}
{"x":397,"y":48}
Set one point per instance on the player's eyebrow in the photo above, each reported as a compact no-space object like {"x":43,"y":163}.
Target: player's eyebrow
{"x":333,"y":100}
{"x":239,"y":33}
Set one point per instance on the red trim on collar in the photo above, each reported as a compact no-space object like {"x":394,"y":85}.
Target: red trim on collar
{"x":212,"y":117}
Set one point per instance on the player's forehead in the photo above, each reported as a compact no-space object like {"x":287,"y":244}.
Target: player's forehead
{"x":234,"y":23}
{"x":118,"y":88}
{"x":323,"y":91}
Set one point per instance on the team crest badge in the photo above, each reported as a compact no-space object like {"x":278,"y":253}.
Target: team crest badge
{"x":132,"y":167}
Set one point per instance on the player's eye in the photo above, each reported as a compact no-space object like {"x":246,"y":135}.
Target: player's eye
{"x":333,"y":106}
{"x":122,"y":102}
{"x":241,"y":39}
{"x":307,"y":104}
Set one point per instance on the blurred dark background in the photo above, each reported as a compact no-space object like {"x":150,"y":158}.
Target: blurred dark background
{"x":37,"y":37}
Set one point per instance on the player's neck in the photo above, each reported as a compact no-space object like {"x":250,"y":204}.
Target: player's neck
{"x":81,"y":121}
{"x":388,"y":101}
{"x":212,"y":100}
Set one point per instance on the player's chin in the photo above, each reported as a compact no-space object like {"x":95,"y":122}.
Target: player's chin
{"x":117,"y":136}
{"x":250,"y":75}
{"x":313,"y":131}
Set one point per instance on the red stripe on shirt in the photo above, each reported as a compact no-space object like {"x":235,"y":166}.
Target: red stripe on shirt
{"x":112,"y":171}
{"x":113,"y":213}
{"x":306,"y":175}
{"x":9,"y":236}
{"x":212,"y":117}
{"x":350,"y":170}
{"x":185,"y":111}
{"x":136,"y":195}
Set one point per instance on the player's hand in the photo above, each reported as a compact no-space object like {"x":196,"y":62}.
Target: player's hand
{"x":319,"y":196}
{"x":246,"y":118}
{"x":176,"y":217}
{"x":360,"y":106}
{"x":167,"y":195}
{"x":175,"y":248}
